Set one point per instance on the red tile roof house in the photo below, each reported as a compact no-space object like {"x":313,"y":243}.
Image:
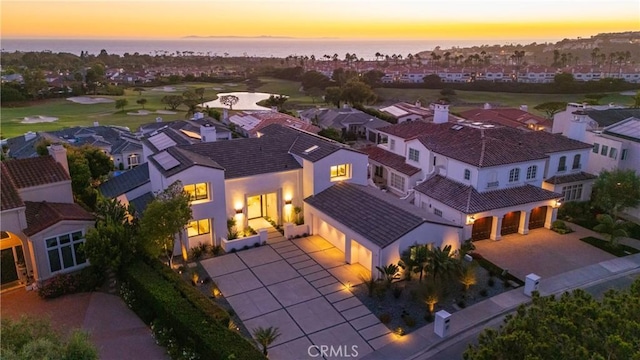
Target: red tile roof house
{"x":517,"y":118}
{"x":250,"y":122}
{"x":493,"y":180}
{"x":42,"y":228}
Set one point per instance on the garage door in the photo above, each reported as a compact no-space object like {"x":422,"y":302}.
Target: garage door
{"x":538,"y":217}
{"x":510,"y":223}
{"x":360,"y":254}
{"x":330,"y":234}
{"x":481,"y":228}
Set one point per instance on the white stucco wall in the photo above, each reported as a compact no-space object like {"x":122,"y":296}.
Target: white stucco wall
{"x":59,"y":192}
{"x":501,"y":174}
{"x":554,"y":161}
{"x":321,"y":170}
{"x":599,"y":162}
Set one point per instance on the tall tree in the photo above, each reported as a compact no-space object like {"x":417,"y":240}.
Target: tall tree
{"x":229,"y":100}
{"x":141,"y":101}
{"x":121,"y":103}
{"x":551,"y":108}
{"x":616,"y":190}
{"x":163,"y":220}
{"x":34,"y":82}
{"x":172,"y":100}
{"x":441,"y":263}
{"x":356,"y":92}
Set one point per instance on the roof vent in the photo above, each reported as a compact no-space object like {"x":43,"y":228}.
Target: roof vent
{"x":311,"y":149}
{"x":456,"y":127}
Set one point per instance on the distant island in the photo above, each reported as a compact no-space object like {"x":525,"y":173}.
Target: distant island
{"x":256,"y":37}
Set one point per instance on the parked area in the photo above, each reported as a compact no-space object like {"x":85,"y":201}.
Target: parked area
{"x":543,"y":252}
{"x":302,"y":287}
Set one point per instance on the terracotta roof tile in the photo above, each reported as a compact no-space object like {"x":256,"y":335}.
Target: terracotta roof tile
{"x":35,"y":171}
{"x":41,"y":215}
{"x":9,"y":197}
{"x":564,"y":179}
{"x":390,"y":159}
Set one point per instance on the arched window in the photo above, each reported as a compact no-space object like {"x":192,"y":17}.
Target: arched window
{"x":467,"y":174}
{"x":562,"y":165}
{"x":514,"y":175}
{"x":576,"y":162}
{"x":531,"y":172}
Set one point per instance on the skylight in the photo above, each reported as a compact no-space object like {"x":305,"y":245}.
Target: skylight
{"x":311,"y":149}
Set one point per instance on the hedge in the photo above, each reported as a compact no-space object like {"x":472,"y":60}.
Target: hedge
{"x":160,"y":299}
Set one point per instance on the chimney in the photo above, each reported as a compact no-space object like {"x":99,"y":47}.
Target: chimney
{"x":208,"y":133}
{"x":524,"y":108}
{"x":441,"y":112}
{"x":274,"y":109}
{"x":486,"y":106}
{"x":418,"y":103}
{"x":59,"y":154}
{"x":577,"y":126}
{"x":225,"y":115}
{"x":95,"y":123}
{"x":158,"y":119}
{"x":29,"y":135}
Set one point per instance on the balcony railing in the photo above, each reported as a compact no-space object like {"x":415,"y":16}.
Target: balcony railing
{"x":493,"y":184}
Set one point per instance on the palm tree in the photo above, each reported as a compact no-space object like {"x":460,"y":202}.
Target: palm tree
{"x":613,"y":229}
{"x":440,"y":263}
{"x":265,"y":337}
{"x":420,"y":256}
{"x":390,"y":273}
{"x":370,"y":283}
{"x":407,"y":264}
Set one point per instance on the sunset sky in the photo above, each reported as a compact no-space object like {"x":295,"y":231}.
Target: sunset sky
{"x":348,"y":19}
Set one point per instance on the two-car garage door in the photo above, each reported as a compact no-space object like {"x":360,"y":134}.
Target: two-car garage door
{"x":359,"y":253}
{"x":330,"y":233}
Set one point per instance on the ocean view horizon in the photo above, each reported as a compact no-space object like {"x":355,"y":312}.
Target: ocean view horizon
{"x":252,"y":47}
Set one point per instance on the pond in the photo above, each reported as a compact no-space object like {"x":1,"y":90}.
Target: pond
{"x":247,"y":101}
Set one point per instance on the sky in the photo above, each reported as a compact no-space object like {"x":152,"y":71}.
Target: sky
{"x":346,"y":19}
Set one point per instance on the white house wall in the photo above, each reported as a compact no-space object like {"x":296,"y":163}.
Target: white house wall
{"x":321,"y":169}
{"x":59,"y":192}
{"x":554,"y":161}
{"x":501,"y":174}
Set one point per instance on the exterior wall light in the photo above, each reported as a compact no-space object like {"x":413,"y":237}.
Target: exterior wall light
{"x":471,"y":219}
{"x":287,"y":202}
{"x":238,"y":211}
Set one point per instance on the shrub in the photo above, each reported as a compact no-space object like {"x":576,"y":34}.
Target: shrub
{"x":462,"y":304}
{"x":256,"y":244}
{"x":483,"y":292}
{"x":385,"y":318}
{"x":560,"y":227}
{"x":491,"y":282}
{"x":87,"y":279}
{"x":216,"y":250}
{"x":428,"y":317}
{"x":408,"y":320}
{"x":397,"y":291}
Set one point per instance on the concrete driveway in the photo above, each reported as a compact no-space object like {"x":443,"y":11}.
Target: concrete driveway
{"x":543,"y":252}
{"x":302,"y":288}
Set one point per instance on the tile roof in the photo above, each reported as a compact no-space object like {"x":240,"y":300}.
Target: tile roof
{"x":186,"y":158}
{"x":468,"y":200}
{"x":390,"y":159}
{"x":407,"y":130}
{"x":371,"y":213}
{"x":126,"y":181}
{"x":9,"y":197}
{"x":41,"y":215}
{"x":339,"y":118}
{"x":253,"y":121}
{"x":506,"y":116}
{"x":611,"y":116}
{"x":35,"y":171}
{"x":140,"y":203}
{"x":564,"y":179}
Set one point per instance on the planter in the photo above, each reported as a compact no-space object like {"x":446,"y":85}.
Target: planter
{"x":240,"y":243}
{"x":292,"y":230}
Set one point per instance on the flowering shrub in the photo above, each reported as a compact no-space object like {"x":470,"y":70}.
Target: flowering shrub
{"x":87,"y":279}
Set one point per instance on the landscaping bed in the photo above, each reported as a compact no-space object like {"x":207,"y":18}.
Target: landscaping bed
{"x":620,"y":250}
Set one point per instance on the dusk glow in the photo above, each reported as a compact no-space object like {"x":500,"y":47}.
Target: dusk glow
{"x":347,"y":19}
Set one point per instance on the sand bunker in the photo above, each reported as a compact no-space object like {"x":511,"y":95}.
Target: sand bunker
{"x":628,"y":93}
{"x":85,"y":100}
{"x":140,"y":112}
{"x":147,"y":112}
{"x":166,"y":112}
{"x":170,"y":88}
{"x":38,"y":119}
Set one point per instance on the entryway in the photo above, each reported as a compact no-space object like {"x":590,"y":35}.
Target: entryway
{"x":12,"y":261}
{"x":263,"y":205}
{"x":482,"y":228}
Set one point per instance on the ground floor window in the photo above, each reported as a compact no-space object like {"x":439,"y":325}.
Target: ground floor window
{"x":437,"y":212}
{"x":572,"y":192}
{"x":198,"y":227}
{"x":397,"y":181}
{"x":378,"y":171}
{"x":65,"y":251}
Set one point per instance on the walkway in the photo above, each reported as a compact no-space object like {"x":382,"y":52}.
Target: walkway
{"x":300,"y":286}
{"x":423,"y":342}
{"x":116,"y":331}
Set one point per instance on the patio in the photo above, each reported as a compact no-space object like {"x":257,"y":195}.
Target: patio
{"x":300,"y":286}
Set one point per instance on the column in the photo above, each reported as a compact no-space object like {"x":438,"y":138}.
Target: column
{"x":347,"y":250}
{"x":523,"y":228}
{"x":551,"y":217}
{"x":496,"y":228}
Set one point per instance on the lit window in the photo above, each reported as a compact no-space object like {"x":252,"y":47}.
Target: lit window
{"x":133,"y":160}
{"x":572,"y":192}
{"x":197,"y":191}
{"x":531,"y":172}
{"x":596,"y":148}
{"x":613,"y":153}
{"x":339,"y":171}
{"x":397,"y":181}
{"x":65,"y":251}
{"x":198,"y":227}
{"x":605,"y":150}
{"x":562,"y":165}
{"x":414,"y":155}
{"x":467,"y":174}
{"x":514,"y":175}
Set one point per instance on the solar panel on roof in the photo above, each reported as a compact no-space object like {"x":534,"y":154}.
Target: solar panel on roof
{"x":161,"y":141}
{"x":166,"y":160}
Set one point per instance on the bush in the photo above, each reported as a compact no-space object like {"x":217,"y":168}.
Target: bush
{"x":408,"y":320}
{"x":87,"y":279}
{"x":196,"y":322}
{"x":385,"y":318}
{"x":560,"y":227}
{"x":461,"y":304}
{"x":484,"y":292}
{"x":397,"y":291}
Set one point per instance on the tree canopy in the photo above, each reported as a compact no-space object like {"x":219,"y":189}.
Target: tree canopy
{"x":356,"y":92}
{"x":551,"y":108}
{"x":616,"y":190}
{"x":575,"y":326}
{"x":173,"y":101}
{"x":229,"y":100}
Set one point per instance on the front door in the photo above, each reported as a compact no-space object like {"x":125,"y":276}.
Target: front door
{"x":254,"y":207}
{"x":9,"y":272}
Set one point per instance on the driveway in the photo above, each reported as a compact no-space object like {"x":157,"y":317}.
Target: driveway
{"x":300,"y":286}
{"x":116,"y":331}
{"x":543,"y":252}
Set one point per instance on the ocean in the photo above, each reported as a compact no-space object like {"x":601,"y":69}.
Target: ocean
{"x":266,"y":47}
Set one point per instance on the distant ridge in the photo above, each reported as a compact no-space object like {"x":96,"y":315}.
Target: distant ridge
{"x":252,"y":37}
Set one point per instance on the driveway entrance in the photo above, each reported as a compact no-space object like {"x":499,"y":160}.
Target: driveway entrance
{"x":300,"y":286}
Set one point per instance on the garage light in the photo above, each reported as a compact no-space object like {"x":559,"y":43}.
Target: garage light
{"x":287,"y":202}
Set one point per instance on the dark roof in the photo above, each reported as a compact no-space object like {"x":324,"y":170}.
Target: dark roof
{"x":407,"y":130}
{"x":140,"y":203}
{"x":564,"y":179}
{"x":370,"y":214}
{"x":126,"y":181}
{"x":35,"y":171}
{"x":390,"y":159}
{"x":176,"y":136}
{"x":9,"y":197}
{"x":468,"y":200}
{"x":611,"y":116}
{"x":41,"y":215}
{"x":186,"y":158}
{"x":341,"y":117}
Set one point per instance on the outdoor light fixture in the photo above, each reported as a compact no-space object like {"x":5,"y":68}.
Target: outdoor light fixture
{"x":558,"y":203}
{"x":238,"y":211}
{"x":472,"y":219}
{"x":287,"y":202}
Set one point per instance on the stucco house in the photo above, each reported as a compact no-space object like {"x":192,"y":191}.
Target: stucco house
{"x":42,"y":228}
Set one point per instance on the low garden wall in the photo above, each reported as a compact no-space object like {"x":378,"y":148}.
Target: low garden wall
{"x":245,"y":242}
{"x":292,"y":230}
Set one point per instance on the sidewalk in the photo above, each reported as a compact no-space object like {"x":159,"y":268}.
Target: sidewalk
{"x":421,"y":341}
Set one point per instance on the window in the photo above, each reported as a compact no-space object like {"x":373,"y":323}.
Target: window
{"x":392,"y":144}
{"x":514,"y":175}
{"x":531,"y":172}
{"x":562,"y":165}
{"x":133,"y":160}
{"x":437,"y":212}
{"x":613,"y":153}
{"x":397,"y":181}
{"x":576,"y":162}
{"x":596,"y":148}
{"x":338,"y":171}
{"x":198,"y":227}
{"x":434,"y":161}
{"x":197,"y":191}
{"x":467,"y":174}
{"x":572,"y":192}
{"x":414,"y":155}
{"x":625,"y":152}
{"x":65,"y":251}
{"x":605,"y":150}
{"x":378,"y":171}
